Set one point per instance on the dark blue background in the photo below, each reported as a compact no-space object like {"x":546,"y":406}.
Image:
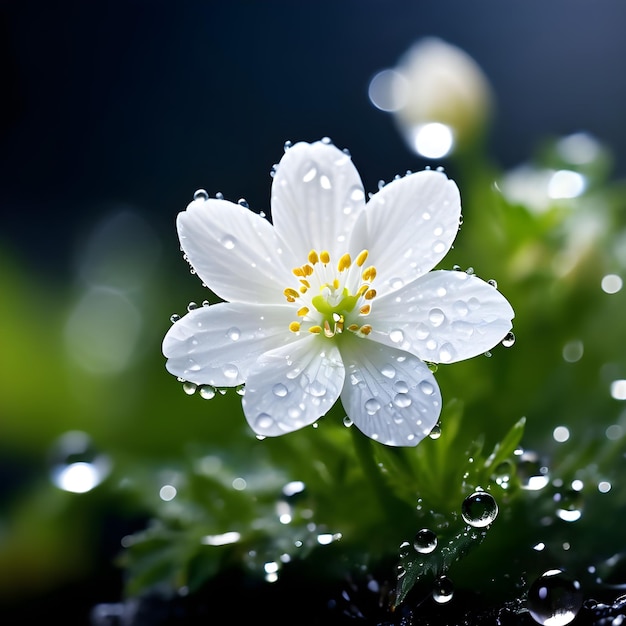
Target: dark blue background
{"x":140,"y":102}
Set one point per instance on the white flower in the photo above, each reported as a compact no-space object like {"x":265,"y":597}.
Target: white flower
{"x":334,"y":300}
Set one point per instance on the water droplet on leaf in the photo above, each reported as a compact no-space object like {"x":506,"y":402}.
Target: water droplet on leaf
{"x":425,"y":541}
{"x":479,"y":509}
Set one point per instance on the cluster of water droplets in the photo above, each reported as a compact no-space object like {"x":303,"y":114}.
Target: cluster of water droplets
{"x":434,"y":549}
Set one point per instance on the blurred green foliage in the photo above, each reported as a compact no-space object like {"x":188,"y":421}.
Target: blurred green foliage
{"x":234,"y":500}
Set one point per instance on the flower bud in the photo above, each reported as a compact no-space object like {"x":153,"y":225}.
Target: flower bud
{"x":439,"y":96}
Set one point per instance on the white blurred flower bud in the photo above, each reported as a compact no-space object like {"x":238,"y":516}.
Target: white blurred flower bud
{"x":440,"y":97}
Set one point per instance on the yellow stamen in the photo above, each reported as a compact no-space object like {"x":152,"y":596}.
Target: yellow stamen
{"x":306,"y":283}
{"x":362,"y":290}
{"x":291,"y":294}
{"x":361,"y":258}
{"x":298,"y":271}
{"x":315,"y":329}
{"x":369,"y":273}
{"x":336,"y":283}
{"x":313,"y":258}
{"x":369,"y":294}
{"x":365,"y":309}
{"x":303,"y":311}
{"x":294,"y":327}
{"x":344,"y":262}
{"x":325,"y":257}
{"x":303,"y":289}
{"x":366,"y":329}
{"x":353,"y":327}
{"x":307,"y":270}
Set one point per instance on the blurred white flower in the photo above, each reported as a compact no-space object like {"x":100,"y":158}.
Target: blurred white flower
{"x":438,"y":94}
{"x":334,"y":300}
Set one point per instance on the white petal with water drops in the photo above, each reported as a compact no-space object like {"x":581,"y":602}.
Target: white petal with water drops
{"x":444,"y":317}
{"x":317,"y":195}
{"x":237,"y":253}
{"x":291,"y":387}
{"x":217,"y":345}
{"x":391,"y":396}
{"x":408,"y":227}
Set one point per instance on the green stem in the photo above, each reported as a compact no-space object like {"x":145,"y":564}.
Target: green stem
{"x":391,"y":506}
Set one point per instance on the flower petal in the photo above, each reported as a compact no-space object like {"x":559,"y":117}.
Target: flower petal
{"x":317,"y":195}
{"x":444,"y":317}
{"x":409,"y":226}
{"x":390,"y":395}
{"x":291,"y":387}
{"x":217,"y":345}
{"x":236,"y":252}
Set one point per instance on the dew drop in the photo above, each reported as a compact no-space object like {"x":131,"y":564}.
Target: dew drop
{"x":388,"y":371}
{"x":443,"y":590}
{"x":396,"y":336}
{"x":402,"y":400}
{"x":435,"y":432}
{"x":554,"y":599}
{"x":280,"y":390}
{"x":228,"y":241}
{"x":200,"y":194}
{"x":400,"y":386}
{"x":287,"y":145}
{"x":76,"y":465}
{"x":372,"y":406}
{"x":396,"y":283}
{"x":347,"y":422}
{"x":405,"y":549}
{"x":233,"y":333}
{"x":508,"y":340}
{"x":433,"y":367}
{"x":436,"y":317}
{"x":493,"y":283}
{"x":425,"y":541}
{"x":263,"y":421}
{"x":192,"y":306}
{"x":189,"y":388}
{"x":207,"y":392}
{"x":230,"y":371}
{"x":479,"y":509}
{"x":533,"y":476}
{"x":316,"y":389}
{"x":174,"y":317}
{"x":427,"y":388}
{"x":243,"y":202}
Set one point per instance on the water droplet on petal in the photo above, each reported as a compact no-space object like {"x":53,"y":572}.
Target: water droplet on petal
{"x":280,"y":390}
{"x":263,"y":421}
{"x":200,"y":194}
{"x":388,"y":371}
{"x":233,"y":333}
{"x":554,"y":599}
{"x":402,"y":400}
{"x":479,"y":509}
{"x":436,"y":317}
{"x":228,"y":241}
{"x":189,"y":388}
{"x":427,"y":388}
{"x":435,"y":433}
{"x":425,"y":541}
{"x":207,"y":392}
{"x":174,"y":318}
{"x":400,"y":386}
{"x":347,"y":422}
{"x":396,"y":336}
{"x":508,"y":340}
{"x":372,"y":406}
